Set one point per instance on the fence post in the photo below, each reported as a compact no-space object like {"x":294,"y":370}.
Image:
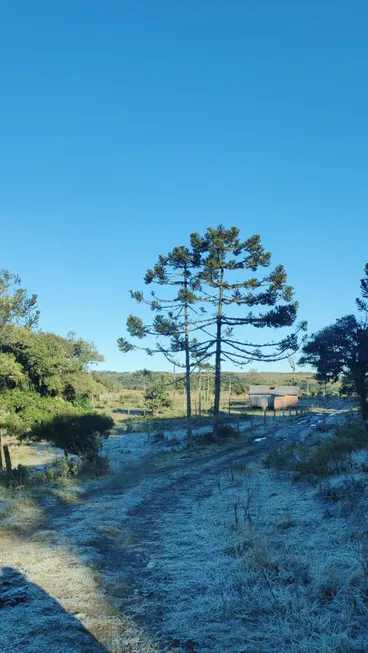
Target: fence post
{"x":274,"y":413}
{"x":229,"y":406}
{"x":8,"y":464}
{"x":1,"y":451}
{"x":264,"y":415}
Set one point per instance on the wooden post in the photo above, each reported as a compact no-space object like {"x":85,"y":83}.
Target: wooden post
{"x":290,"y":411}
{"x":274,"y":413}
{"x":8,"y":465}
{"x":229,"y":405}
{"x":200,"y":393}
{"x":264,"y":415}
{"x":1,"y":451}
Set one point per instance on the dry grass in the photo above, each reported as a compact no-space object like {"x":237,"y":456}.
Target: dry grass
{"x":204,"y":551}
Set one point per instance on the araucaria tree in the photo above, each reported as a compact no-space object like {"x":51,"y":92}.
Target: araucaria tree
{"x":267,"y":298}
{"x":176,"y":316}
{"x":341,"y":350}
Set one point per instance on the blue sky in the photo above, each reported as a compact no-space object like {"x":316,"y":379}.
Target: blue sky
{"x":126,"y":125}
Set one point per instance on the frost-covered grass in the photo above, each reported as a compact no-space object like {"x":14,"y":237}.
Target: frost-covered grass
{"x":255,"y":566}
{"x":202,"y":551}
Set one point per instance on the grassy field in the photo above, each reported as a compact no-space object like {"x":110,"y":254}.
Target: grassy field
{"x":192,"y":551}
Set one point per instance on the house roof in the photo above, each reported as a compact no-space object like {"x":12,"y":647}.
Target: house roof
{"x":280,"y":390}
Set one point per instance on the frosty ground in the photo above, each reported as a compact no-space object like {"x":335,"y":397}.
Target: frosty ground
{"x":184,"y":551}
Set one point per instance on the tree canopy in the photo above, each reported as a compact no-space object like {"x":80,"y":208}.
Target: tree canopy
{"x":44,"y":378}
{"x":341,"y":350}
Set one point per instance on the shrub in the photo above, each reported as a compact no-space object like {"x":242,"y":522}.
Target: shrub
{"x":282,"y":459}
{"x":330,"y":456}
{"x":227,"y":431}
{"x":129,"y":425}
{"x":333,"y":455}
{"x":81,"y":435}
{"x":159,"y":437}
{"x":98,"y":467}
{"x":16,"y":478}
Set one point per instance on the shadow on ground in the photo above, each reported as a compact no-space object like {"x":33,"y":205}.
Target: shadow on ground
{"x":30,"y":620}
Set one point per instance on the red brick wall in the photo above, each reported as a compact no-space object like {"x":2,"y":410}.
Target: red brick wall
{"x":288,"y":401}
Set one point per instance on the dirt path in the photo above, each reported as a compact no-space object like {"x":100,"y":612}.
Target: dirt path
{"x":153,"y":543}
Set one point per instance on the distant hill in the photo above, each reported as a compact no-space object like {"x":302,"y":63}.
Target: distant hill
{"x":237,"y":382}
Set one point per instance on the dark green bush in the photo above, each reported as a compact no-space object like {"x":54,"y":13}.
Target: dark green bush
{"x":282,"y":459}
{"x":81,"y":435}
{"x":227,"y":431}
{"x":16,"y":478}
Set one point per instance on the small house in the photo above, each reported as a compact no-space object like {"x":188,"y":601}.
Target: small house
{"x":273,"y":397}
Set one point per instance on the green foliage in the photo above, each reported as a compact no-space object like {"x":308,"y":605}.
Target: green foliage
{"x":21,"y":409}
{"x":15,"y":305}
{"x":282,"y":459}
{"x":266,"y":301}
{"x":45,"y":386}
{"x":330,"y":456}
{"x":51,"y":364}
{"x":156,"y":396}
{"x":340,"y":351}
{"x":79,"y":434}
{"x":11,"y":372}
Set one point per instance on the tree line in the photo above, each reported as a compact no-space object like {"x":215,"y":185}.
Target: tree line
{"x":46,"y":389}
{"x":340,"y":351}
{"x":207,"y":296}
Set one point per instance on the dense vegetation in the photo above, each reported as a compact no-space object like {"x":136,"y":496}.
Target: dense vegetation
{"x":340,"y":351}
{"x":46,"y":389}
{"x":48,"y":392}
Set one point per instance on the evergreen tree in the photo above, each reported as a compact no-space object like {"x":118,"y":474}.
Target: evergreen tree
{"x":221,"y":252}
{"x":176,"y":315}
{"x":156,"y":396}
{"x":340,"y":351}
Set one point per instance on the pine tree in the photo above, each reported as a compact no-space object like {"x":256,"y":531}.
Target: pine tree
{"x":176,"y":316}
{"x":221,"y":252}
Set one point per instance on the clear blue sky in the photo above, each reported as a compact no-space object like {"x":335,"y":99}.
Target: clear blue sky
{"x":125,"y":125}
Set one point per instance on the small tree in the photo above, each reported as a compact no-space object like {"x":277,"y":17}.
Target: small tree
{"x":81,"y":435}
{"x":156,"y":397}
{"x":293,"y":363}
{"x":341,"y":351}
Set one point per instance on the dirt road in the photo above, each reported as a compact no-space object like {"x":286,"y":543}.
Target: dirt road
{"x":148,"y":559}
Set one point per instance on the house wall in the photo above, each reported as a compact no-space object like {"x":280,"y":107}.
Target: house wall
{"x":261,"y":401}
{"x":288,"y":401}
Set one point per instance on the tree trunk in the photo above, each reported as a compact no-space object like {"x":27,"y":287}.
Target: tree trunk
{"x":187,"y":369}
{"x":1,"y":451}
{"x":216,"y":407}
{"x":200,"y":394}
{"x":8,"y":465}
{"x":360,"y":383}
